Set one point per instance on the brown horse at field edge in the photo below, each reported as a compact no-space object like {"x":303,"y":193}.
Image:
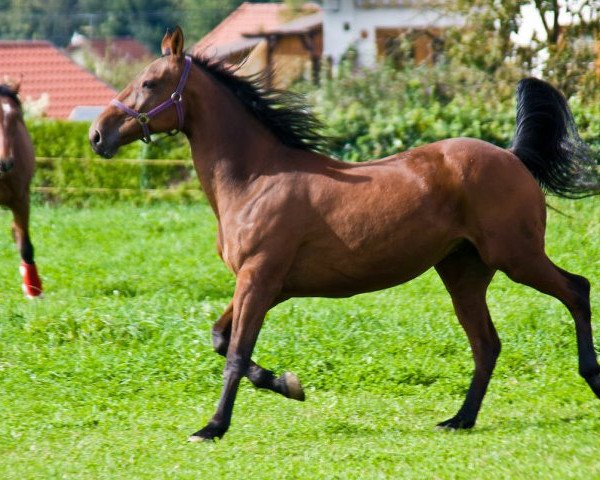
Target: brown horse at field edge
{"x":17,"y":163}
{"x":294,"y":222}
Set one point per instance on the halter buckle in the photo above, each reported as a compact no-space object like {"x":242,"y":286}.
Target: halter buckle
{"x":143,"y":118}
{"x":176,"y":97}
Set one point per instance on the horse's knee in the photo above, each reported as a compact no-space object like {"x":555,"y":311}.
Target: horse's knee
{"x":220,"y":341}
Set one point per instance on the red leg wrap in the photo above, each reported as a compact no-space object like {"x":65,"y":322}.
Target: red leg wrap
{"x":32,"y":284}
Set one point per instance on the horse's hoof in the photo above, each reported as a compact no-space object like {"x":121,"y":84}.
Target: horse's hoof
{"x":207,"y":434}
{"x":31,"y":293}
{"x":292,"y":386}
{"x":456,"y":423}
{"x":197,"y":439}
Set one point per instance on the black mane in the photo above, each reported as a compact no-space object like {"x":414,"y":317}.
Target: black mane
{"x":284,"y":113}
{"x":6,"y":91}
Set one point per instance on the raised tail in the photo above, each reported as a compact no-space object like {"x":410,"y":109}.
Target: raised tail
{"x":547,"y":142}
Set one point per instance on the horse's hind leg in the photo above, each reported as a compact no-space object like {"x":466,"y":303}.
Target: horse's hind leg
{"x":466,"y":278}
{"x":287,"y":384}
{"x":574,"y":292}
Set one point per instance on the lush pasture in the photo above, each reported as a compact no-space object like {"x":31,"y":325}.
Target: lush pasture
{"x":107,"y":376}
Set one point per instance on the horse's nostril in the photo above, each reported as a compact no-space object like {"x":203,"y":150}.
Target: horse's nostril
{"x":6,"y":165}
{"x":96,"y":137}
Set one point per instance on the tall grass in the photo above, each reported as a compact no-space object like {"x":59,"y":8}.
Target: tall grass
{"x":107,"y":376}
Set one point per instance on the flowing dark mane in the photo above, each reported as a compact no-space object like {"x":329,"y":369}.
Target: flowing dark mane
{"x":284,"y":113}
{"x":6,"y":91}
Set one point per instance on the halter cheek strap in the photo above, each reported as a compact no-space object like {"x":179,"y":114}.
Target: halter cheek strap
{"x":175,"y":100}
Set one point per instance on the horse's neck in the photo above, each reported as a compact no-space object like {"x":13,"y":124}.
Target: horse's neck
{"x":24,"y":151}
{"x":26,"y":147}
{"x":229,"y":146}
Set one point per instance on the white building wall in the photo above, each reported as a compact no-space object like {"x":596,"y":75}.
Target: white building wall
{"x":346,"y":25}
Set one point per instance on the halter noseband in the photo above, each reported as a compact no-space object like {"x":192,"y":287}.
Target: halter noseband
{"x":175,"y":99}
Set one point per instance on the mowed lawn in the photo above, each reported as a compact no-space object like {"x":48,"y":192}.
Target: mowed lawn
{"x":107,"y":376}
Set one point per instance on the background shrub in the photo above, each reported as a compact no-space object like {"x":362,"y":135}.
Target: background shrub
{"x":371,"y":114}
{"x":74,"y":166}
{"x":368,"y":114}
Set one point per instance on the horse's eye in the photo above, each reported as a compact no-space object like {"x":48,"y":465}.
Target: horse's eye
{"x":149,"y":84}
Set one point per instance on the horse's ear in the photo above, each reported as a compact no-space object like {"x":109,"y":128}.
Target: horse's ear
{"x":165,"y":44}
{"x":172,"y":42}
{"x":13,"y":83}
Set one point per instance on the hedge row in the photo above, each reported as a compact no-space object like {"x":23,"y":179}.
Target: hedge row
{"x":70,"y":140}
{"x":73,"y":167}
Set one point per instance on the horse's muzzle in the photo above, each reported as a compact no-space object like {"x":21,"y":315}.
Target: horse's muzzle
{"x":6,"y":165}
{"x":99,"y":144}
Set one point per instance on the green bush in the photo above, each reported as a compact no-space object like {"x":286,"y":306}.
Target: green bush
{"x":55,"y":138}
{"x":371,"y":114}
{"x":75,"y":166}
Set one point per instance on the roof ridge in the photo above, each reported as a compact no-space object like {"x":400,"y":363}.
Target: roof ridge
{"x":232,"y":24}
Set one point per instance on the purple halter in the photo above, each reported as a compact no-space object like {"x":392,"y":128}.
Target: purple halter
{"x":176,"y":99}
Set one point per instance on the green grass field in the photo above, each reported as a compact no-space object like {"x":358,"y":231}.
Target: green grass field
{"x":108,"y":375}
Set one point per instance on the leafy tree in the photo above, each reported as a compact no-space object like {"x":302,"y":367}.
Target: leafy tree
{"x":146,"y":20}
{"x":571,"y":28}
{"x":485,"y":39}
{"x":37,"y":19}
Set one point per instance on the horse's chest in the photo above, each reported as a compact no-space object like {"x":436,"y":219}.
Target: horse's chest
{"x":230,"y":256}
{"x":234,"y":247}
{"x":8,"y":188}
{"x":247,"y":232}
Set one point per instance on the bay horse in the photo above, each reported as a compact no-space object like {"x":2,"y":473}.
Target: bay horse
{"x":293,"y":222}
{"x":17,"y":163}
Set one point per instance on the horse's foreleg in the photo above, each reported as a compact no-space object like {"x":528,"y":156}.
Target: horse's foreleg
{"x":32,"y":284}
{"x":251,"y":302}
{"x":287,"y":384}
{"x":466,"y":278}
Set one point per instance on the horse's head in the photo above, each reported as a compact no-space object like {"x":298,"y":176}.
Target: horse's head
{"x":10,"y":116}
{"x":152,"y":102}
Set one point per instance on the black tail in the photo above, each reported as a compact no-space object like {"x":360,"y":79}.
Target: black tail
{"x":547,"y":142}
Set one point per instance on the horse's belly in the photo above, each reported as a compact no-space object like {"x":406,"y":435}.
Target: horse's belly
{"x":338,"y":273}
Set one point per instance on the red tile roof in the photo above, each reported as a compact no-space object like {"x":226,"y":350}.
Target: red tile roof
{"x":231,"y":35}
{"x":45,"y":69}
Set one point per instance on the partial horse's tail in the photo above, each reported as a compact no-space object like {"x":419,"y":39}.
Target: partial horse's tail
{"x":547,"y":142}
